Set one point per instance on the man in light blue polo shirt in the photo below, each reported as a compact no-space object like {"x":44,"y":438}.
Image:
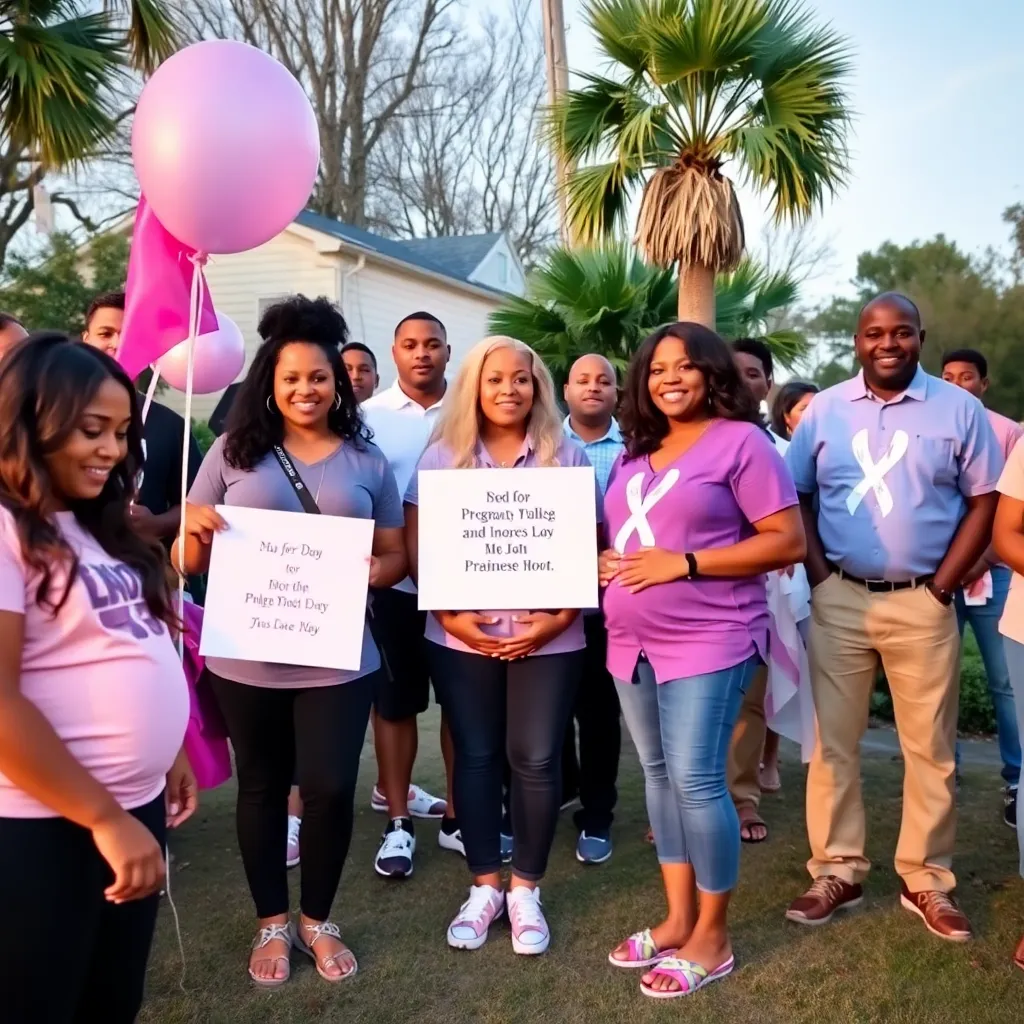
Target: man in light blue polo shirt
{"x":591,"y":395}
{"x":902,"y":468}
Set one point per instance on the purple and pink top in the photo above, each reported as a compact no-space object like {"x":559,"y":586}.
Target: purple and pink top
{"x":708,"y":497}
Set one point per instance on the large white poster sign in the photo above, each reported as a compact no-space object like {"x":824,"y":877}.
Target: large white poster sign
{"x":507,"y":538}
{"x":288,"y":588}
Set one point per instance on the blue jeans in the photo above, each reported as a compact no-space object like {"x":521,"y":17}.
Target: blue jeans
{"x":1015,"y":660}
{"x":984,"y":621}
{"x":681,"y":730}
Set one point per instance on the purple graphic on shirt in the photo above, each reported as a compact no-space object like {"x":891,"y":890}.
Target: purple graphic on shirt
{"x":115,"y":592}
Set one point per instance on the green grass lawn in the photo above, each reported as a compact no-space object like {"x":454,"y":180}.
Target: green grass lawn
{"x":876,"y":965}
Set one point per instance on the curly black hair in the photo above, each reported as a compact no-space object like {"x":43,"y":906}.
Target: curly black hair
{"x":46,"y":383}
{"x":644,"y":426}
{"x":254,"y":424}
{"x":785,"y":398}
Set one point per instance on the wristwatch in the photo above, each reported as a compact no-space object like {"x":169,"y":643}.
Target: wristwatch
{"x":944,"y":597}
{"x":691,"y":565}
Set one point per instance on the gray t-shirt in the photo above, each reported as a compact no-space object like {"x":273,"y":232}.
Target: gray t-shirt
{"x":354,"y":481}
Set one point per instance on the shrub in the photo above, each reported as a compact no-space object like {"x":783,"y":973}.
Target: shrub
{"x":203,"y":434}
{"x":976,"y":712}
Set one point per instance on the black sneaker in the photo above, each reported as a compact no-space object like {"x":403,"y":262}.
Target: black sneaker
{"x":1010,"y":806}
{"x":397,"y":845}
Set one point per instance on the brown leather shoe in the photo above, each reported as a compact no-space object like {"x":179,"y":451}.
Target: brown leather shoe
{"x":826,"y":895}
{"x":1018,"y":957}
{"x":941,"y":915}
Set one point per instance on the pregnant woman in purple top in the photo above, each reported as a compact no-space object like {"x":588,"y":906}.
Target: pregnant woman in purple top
{"x":698,"y":508}
{"x":284,"y":718}
{"x":507,"y":679}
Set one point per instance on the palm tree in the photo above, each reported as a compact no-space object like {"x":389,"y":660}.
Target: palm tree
{"x":59,"y":63}
{"x":64,"y":67}
{"x":695,"y":85}
{"x":605,"y":299}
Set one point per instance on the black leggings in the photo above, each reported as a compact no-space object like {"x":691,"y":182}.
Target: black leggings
{"x":521,"y":708}
{"x":52,"y":879}
{"x":317,"y":735}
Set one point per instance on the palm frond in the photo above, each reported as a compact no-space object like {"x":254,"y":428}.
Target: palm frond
{"x":606,"y":299}
{"x":54,"y":99}
{"x":692,"y":85}
{"x":153,"y":32}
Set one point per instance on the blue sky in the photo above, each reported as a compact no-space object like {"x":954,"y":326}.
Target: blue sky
{"x":938,"y":140}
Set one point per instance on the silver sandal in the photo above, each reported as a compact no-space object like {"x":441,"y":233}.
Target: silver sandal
{"x":267,"y":935}
{"x":318,"y":931}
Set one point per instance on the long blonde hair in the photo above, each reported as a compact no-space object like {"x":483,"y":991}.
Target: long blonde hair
{"x":459,"y":424}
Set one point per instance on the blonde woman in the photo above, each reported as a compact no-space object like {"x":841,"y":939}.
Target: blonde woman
{"x":507,"y":679}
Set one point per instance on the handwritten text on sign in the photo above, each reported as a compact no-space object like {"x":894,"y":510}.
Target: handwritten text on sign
{"x":507,"y":538}
{"x":277,"y":598}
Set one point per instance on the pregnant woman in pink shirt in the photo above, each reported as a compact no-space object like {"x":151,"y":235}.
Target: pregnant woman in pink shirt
{"x":698,"y":508}
{"x":93,"y":702}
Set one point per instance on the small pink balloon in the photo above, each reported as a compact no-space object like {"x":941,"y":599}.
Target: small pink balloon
{"x":219,"y":358}
{"x":225,"y":146}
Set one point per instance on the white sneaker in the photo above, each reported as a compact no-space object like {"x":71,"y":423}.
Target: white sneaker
{"x":294,"y":825}
{"x":530,"y":933}
{"x":397,"y":845}
{"x":451,"y":840}
{"x":421,"y":803}
{"x":469,"y":928}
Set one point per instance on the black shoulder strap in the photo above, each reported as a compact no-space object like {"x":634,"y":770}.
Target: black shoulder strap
{"x":306,"y":499}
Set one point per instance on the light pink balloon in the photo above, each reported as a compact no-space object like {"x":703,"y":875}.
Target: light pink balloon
{"x":219,"y":358}
{"x":225,"y":145}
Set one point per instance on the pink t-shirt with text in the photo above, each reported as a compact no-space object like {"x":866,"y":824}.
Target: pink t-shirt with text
{"x":104,"y":673}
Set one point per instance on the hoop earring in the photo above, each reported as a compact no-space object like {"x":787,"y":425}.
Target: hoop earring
{"x":269,"y":409}
{"x":337,"y":400}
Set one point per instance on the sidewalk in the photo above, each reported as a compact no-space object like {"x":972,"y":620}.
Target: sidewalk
{"x":882,"y":741}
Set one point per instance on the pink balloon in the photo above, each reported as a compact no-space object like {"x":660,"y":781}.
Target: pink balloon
{"x":225,"y":145}
{"x":157,"y":295}
{"x":219,"y":358}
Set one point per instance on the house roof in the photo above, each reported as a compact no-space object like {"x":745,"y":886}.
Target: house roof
{"x":453,"y":257}
{"x":460,"y":254}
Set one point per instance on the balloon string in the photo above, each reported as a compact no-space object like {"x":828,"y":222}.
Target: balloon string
{"x":195,"y":313}
{"x":150,"y":391}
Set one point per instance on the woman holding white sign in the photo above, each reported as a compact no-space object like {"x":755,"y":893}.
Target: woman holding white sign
{"x":699,"y":507}
{"x":295,"y":443}
{"x":507,"y":679}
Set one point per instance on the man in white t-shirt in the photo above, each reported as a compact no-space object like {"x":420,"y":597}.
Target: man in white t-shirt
{"x":402,"y":418}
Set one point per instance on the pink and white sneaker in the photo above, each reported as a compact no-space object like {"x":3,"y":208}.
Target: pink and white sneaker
{"x":530,"y":934}
{"x":294,"y":825}
{"x":469,"y":928}
{"x":421,"y":803}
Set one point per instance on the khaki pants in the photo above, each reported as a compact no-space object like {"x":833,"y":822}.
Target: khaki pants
{"x":917,"y":642}
{"x":744,"y":768}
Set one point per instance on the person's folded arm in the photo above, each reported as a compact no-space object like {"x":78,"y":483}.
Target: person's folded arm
{"x":969,"y":542}
{"x":389,"y":564}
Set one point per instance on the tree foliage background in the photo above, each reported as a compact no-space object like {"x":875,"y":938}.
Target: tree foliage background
{"x":966,"y":300}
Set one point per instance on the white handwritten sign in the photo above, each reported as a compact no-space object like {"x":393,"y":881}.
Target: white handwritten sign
{"x":507,"y":538}
{"x":288,"y":588}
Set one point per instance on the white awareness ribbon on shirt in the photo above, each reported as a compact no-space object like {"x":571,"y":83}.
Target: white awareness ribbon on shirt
{"x":639,"y":507}
{"x":874,"y":472}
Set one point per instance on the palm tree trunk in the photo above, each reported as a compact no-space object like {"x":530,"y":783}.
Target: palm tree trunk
{"x":697,"y":295}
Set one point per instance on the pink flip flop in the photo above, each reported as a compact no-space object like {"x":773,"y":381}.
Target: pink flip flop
{"x":690,"y":976}
{"x":643,"y":952}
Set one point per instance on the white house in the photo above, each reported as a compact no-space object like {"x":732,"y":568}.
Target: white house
{"x":375,"y":280}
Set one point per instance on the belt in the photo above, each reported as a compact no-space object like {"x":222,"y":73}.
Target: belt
{"x":883,"y":586}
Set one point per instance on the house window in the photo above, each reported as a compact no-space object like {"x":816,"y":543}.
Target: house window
{"x":264,"y":304}
{"x":502,"y":267}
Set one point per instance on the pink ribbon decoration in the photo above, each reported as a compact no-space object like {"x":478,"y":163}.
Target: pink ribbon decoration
{"x":158,"y":294}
